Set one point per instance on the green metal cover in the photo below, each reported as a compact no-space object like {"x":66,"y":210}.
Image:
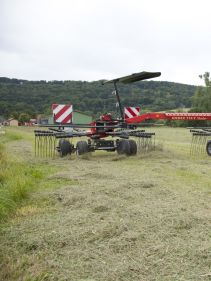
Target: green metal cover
{"x":135,"y":77}
{"x":81,"y":118}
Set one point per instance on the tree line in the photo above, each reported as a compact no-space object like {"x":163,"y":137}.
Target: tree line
{"x":36,"y":97}
{"x":23,"y":99}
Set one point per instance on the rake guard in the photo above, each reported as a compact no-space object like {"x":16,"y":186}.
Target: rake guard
{"x":201,"y":141}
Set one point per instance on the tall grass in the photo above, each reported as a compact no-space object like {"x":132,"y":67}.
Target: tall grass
{"x":16,"y":180}
{"x":12,"y":136}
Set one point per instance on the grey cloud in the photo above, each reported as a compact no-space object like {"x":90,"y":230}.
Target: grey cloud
{"x":90,"y":40}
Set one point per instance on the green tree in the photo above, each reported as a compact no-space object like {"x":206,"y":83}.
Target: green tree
{"x":202,"y":96}
{"x":24,"y":117}
{"x":15,"y":115}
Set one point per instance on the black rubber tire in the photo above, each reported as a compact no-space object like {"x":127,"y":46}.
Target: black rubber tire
{"x":64,"y":147}
{"x":208,"y":147}
{"x":123,"y":147}
{"x":82,"y":147}
{"x":133,"y":147}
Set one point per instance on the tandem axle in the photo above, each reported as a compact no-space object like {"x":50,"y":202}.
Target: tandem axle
{"x":122,"y":146}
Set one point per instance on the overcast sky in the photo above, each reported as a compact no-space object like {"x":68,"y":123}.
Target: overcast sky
{"x":104,"y":39}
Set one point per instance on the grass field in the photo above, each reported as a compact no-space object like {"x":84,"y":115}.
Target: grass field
{"x":104,"y":217}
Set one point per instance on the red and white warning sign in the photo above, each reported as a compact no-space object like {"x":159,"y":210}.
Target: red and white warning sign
{"x":130,"y":112}
{"x":62,"y":113}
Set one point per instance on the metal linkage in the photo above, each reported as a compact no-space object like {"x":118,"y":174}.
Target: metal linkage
{"x":125,"y":134}
{"x":200,"y":137}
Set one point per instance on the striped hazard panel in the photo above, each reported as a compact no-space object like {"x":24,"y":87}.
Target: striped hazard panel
{"x":62,"y":113}
{"x":130,"y":112}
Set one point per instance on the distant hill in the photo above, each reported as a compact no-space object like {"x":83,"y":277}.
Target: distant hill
{"x":91,"y":97}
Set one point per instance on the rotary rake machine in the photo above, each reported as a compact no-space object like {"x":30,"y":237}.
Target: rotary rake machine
{"x":104,"y":134}
{"x":48,"y":142}
{"x":124,"y":137}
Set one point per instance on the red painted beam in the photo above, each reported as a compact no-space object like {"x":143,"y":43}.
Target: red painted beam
{"x":169,"y":116}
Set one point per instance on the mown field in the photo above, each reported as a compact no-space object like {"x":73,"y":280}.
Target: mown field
{"x":104,"y":217}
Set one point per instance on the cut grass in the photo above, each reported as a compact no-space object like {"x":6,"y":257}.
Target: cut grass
{"x":116,"y":218}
